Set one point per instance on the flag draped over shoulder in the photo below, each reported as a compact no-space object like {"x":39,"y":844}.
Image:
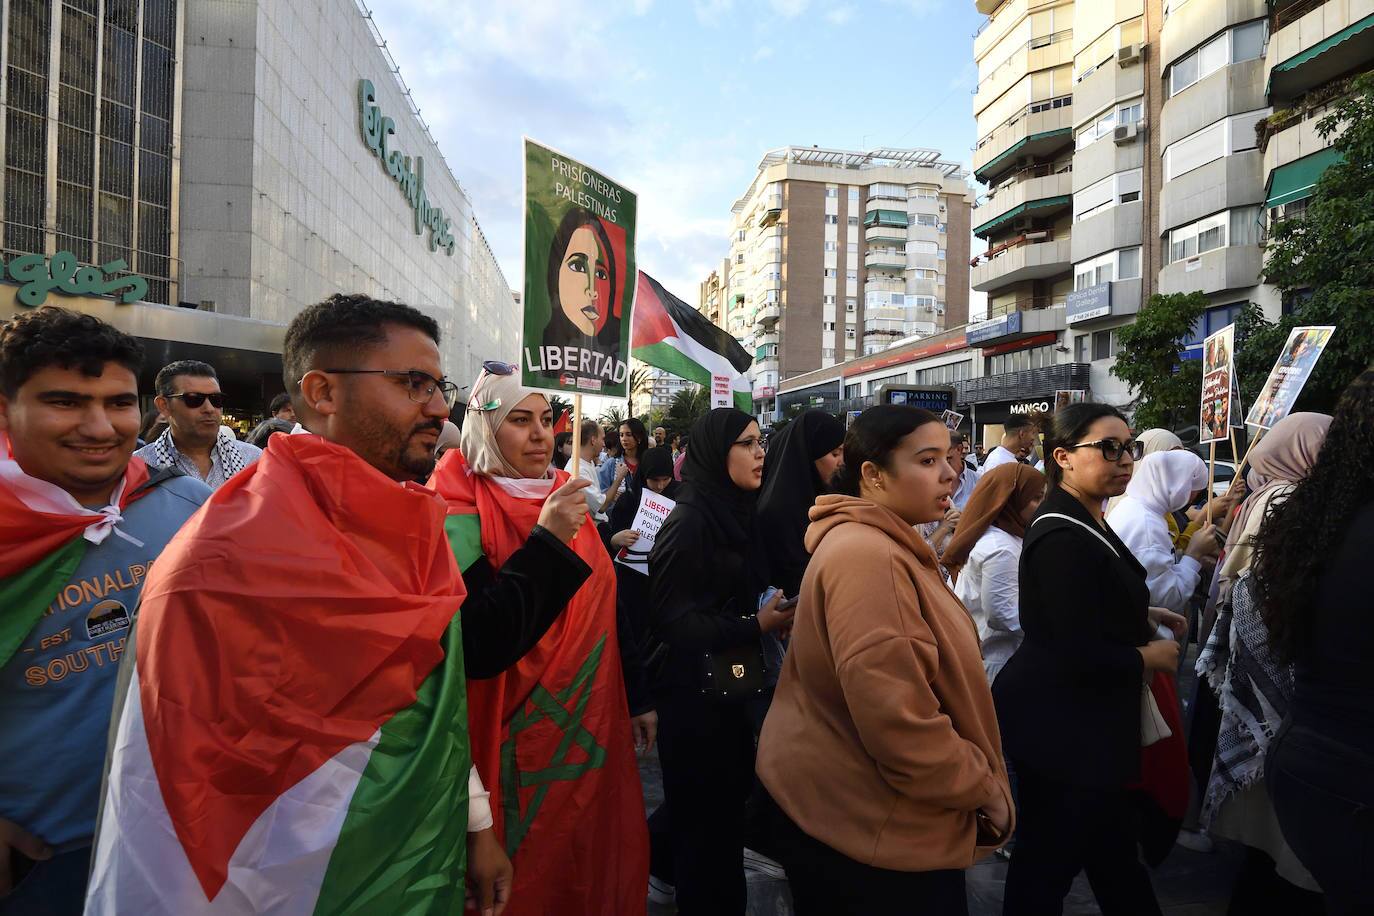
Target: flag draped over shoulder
{"x":670,"y":334}
{"x":551,"y":736}
{"x":293,"y":737}
{"x":43,"y":538}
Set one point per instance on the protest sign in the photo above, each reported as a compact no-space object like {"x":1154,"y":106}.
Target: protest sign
{"x":1290,"y":373}
{"x":579,"y":277}
{"x":1064,"y":397}
{"x":1218,"y":370}
{"x":653,"y":512}
{"x":952,"y":419}
{"x":721,"y":395}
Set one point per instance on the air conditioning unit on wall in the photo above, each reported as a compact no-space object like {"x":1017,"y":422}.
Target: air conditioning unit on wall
{"x":1125,"y":133}
{"x":1129,"y":55}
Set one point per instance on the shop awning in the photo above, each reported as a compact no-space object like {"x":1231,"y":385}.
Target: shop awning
{"x":886,"y":218}
{"x":1298,"y":179}
{"x":1062,"y":200}
{"x":1321,"y":47}
{"x":1016,"y":147}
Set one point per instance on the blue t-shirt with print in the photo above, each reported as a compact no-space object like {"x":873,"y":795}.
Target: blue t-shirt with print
{"x":58,"y":688}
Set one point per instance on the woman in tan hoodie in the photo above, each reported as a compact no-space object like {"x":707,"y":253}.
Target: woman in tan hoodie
{"x":881,"y":748}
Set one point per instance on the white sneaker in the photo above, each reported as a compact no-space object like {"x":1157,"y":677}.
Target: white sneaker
{"x":760,"y":863}
{"x":661,"y":891}
{"x":1196,"y":840}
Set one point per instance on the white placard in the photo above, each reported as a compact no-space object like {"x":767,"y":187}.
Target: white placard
{"x":720,"y":392}
{"x":653,"y":512}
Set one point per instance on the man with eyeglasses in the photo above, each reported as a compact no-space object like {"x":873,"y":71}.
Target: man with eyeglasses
{"x":299,"y":679}
{"x":195,"y":442}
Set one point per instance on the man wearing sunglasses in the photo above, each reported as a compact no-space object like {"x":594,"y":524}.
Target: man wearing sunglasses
{"x":195,"y":443}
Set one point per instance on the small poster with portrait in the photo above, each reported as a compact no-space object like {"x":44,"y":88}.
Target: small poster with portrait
{"x":1290,"y":373}
{"x":1218,"y":371}
{"x":579,"y":277}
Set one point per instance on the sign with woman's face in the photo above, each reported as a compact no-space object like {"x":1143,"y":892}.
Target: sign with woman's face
{"x":579,"y":277}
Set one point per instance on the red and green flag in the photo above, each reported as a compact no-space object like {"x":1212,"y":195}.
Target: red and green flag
{"x":293,"y":739}
{"x":673,"y":336}
{"x":44,"y":534}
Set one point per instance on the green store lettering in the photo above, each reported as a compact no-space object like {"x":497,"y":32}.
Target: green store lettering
{"x":377,"y":131}
{"x":39,"y":275}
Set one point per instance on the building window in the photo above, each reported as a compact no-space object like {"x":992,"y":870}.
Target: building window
{"x":927,"y":219}
{"x":922,"y":247}
{"x":922,"y":193}
{"x":1021,"y":360}
{"x":1124,"y":113}
{"x":922,"y":273}
{"x":829,"y":246}
{"x":1121,"y":188}
{"x":851,"y":275}
{"x":828,"y":300}
{"x":855,"y":390}
{"x":828,"y":353}
{"x":1098,"y":345}
{"x":1123,"y":264}
{"x":739,"y":258}
{"x":1213,"y":320}
{"x":852,"y":248}
{"x":827,"y":325}
{"x":849,"y":333}
{"x":831,"y":219}
{"x":1230,"y":227}
{"x":832,"y":192}
{"x":1223,"y":138}
{"x":1243,"y":42}
{"x":829,"y":272}
{"x":853,"y":221}
{"x":850,"y":304}
{"x":853,"y":195}
{"x":740,"y":235}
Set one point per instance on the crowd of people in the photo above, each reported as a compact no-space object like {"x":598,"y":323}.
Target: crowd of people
{"x":394,"y":654}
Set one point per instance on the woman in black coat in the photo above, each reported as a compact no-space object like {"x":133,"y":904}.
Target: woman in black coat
{"x":1069,"y":699}
{"x":704,"y":599}
{"x":801,"y":460}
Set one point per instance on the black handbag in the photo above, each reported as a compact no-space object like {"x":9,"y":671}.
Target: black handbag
{"x":734,"y":673}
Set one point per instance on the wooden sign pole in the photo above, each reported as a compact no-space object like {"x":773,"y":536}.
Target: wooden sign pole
{"x":577,"y":436}
{"x":1211,"y":478}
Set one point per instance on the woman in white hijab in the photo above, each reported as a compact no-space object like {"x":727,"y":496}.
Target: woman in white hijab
{"x":1163,"y":483}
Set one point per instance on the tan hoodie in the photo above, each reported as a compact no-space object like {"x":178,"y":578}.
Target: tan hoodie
{"x":882,"y":739}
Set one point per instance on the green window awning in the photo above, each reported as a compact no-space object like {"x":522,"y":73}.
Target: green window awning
{"x":1298,"y":179}
{"x":1062,"y":200}
{"x":885,"y":218}
{"x":1011,"y":151}
{"x":1321,"y":47}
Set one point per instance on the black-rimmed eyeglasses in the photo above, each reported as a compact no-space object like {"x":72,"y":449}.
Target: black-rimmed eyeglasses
{"x":1113,"y":450}
{"x":420,"y":386}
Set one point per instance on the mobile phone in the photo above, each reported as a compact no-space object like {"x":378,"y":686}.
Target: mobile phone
{"x":788,"y":603}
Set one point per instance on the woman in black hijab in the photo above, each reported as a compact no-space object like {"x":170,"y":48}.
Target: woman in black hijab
{"x":800,"y":461}
{"x":704,"y":594}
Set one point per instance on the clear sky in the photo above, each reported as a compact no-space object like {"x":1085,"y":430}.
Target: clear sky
{"x":677,"y":100}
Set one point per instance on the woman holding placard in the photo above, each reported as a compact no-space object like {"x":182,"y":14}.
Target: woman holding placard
{"x":573,"y":826}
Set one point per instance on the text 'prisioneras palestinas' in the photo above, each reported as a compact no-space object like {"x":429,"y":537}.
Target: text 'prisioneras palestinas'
{"x":606,"y":193}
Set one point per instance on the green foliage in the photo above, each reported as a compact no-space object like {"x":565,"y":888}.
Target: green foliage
{"x":1168,"y":388}
{"x":1329,"y":251}
{"x":612,"y":416}
{"x":559,"y":404}
{"x":688,"y":406}
{"x":640,"y":380}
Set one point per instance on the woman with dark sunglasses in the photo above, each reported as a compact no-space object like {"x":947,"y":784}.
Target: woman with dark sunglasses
{"x":1069,"y":700}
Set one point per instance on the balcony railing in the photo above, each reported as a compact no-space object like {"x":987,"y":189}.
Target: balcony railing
{"x":1025,"y":305}
{"x":1023,"y":384}
{"x":889,"y":258}
{"x":1032,"y":108}
{"x":1043,"y":41}
{"x":1025,"y":238}
{"x":1292,"y":13}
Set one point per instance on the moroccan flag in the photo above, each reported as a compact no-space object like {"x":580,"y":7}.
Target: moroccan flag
{"x":43,"y":538}
{"x":551,"y":736}
{"x":293,"y":738}
{"x":670,"y":334}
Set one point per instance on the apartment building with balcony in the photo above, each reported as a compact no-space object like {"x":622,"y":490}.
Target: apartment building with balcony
{"x":1024,"y":157}
{"x":837,"y":253}
{"x":1316,"y":48}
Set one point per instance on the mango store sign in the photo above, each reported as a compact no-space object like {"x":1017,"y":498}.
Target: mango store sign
{"x":409,"y":175}
{"x":38,"y":275}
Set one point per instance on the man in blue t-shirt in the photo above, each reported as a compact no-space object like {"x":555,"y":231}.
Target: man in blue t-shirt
{"x":69,"y":422}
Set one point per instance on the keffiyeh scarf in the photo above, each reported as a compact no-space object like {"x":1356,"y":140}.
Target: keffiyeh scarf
{"x":230,"y":461}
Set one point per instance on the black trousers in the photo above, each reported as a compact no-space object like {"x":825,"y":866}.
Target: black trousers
{"x":1062,"y":830}
{"x":706,"y":748}
{"x":826,"y":882}
{"x":1324,"y":800}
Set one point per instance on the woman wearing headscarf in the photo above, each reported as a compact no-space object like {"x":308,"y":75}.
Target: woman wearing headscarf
{"x":985,"y":555}
{"x":797,"y":470}
{"x":1163,"y":483}
{"x":571,"y":820}
{"x":1253,"y":689}
{"x":704,"y":606}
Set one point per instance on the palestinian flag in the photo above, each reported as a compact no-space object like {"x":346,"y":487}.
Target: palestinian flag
{"x":671,"y":335}
{"x":44,"y":534}
{"x":293,"y":738}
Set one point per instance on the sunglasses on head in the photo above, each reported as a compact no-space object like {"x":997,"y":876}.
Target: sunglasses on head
{"x":493,"y":367}
{"x":194,"y":399}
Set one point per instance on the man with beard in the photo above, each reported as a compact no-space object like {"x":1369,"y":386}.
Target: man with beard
{"x":295,"y":721}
